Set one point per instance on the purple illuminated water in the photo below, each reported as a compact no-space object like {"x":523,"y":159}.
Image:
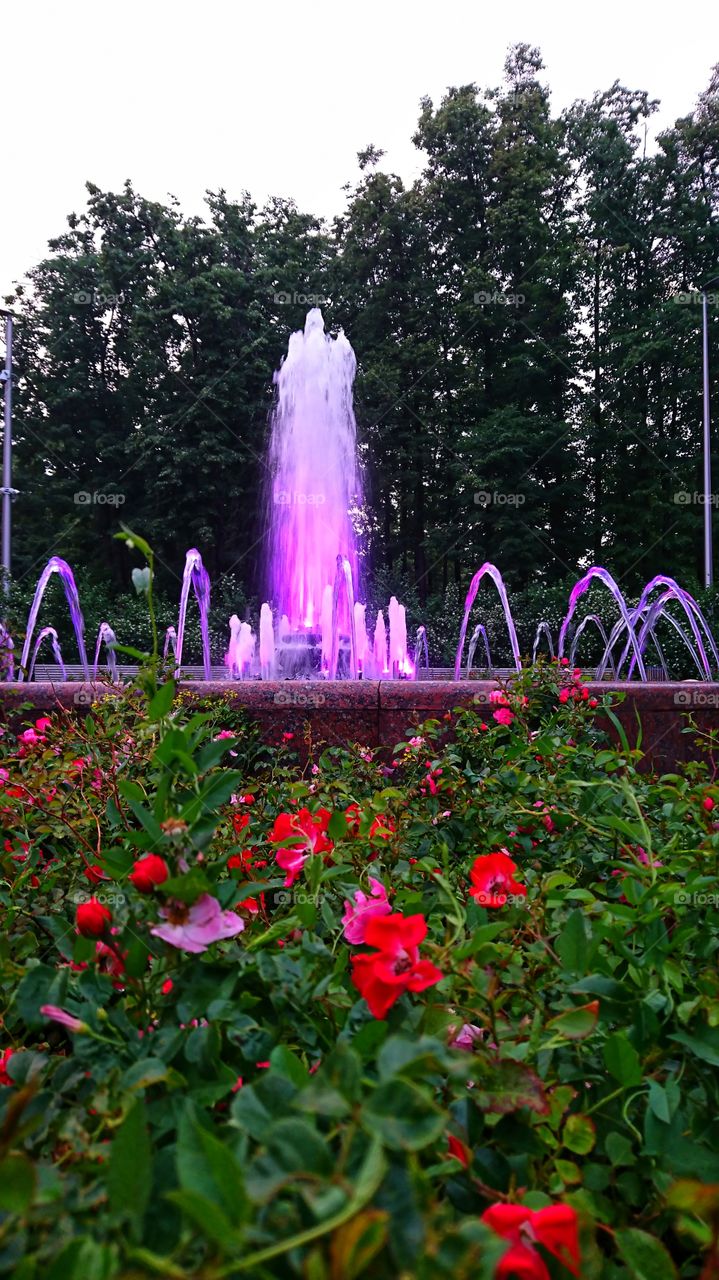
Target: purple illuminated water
{"x":315,"y":479}
{"x":197,"y":578}
{"x":67,"y":578}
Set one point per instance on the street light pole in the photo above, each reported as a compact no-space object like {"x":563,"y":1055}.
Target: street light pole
{"x":708,"y":554}
{"x":7,"y":491}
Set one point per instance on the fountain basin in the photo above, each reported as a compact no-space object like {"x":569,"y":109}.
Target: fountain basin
{"x":380,"y":713}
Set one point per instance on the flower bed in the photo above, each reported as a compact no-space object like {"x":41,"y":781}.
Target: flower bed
{"x":451,"y":1012}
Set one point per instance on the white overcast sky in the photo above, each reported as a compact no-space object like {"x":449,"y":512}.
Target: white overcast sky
{"x":277,"y":96}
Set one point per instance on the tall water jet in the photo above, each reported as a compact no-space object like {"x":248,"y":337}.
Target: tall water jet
{"x":491,"y":571}
{"x":56,"y":565}
{"x":45,"y":634}
{"x":479,"y":633}
{"x":267,"y":643}
{"x":326,"y":629}
{"x":195,"y":577}
{"x":543,"y":629}
{"x":343,"y":589}
{"x":232,"y":657}
{"x":314,"y":475}
{"x":361,"y":638}
{"x":106,"y":636}
{"x":170,"y":645}
{"x":380,"y":648}
{"x":399,"y":663}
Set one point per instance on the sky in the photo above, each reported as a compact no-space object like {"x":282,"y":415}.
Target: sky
{"x":277,"y":96}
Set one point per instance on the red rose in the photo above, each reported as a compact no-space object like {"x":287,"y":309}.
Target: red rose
{"x":492,"y":877}
{"x":92,"y":919}
{"x":554,"y":1228}
{"x":382,"y":976}
{"x":149,"y":872}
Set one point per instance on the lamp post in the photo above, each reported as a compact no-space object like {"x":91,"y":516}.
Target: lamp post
{"x":708,"y":565}
{"x":7,"y":492}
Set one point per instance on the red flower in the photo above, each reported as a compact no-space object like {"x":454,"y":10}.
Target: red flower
{"x":503,"y":716}
{"x":5,"y":1057}
{"x":708,"y":803}
{"x":92,"y":919}
{"x":492,"y":878}
{"x":239,"y":822}
{"x":94,"y":874}
{"x":149,"y":872}
{"x":395,"y":967}
{"x":310,"y":836}
{"x":382,"y":828}
{"x":353,"y":813}
{"x":109,"y":961}
{"x":554,"y":1228}
{"x":458,"y":1150}
{"x":241,"y":861}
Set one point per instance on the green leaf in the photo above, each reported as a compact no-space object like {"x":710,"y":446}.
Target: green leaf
{"x":17,"y":1183}
{"x":504,"y":1085}
{"x":162,"y":701}
{"x":405,"y":1116}
{"x":572,"y":944}
{"x":207,"y":1167}
{"x":579,"y":1134}
{"x":146,"y":1072}
{"x":208,"y":1217}
{"x":622,"y":1060}
{"x":129,"y":1175}
{"x":286,"y":1063}
{"x":703,"y":1043}
{"x":135,"y":796}
{"x":337,"y":825}
{"x":576,"y":1024}
{"x":645,"y":1256}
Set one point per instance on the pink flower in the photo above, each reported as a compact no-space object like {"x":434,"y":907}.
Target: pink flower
{"x":416,"y":742}
{"x":195,"y":928}
{"x":29,"y":737}
{"x":292,"y":861}
{"x":499,"y":698}
{"x":362,"y":909}
{"x":63,"y":1017}
{"x":224,"y":733}
{"x":503,"y":716}
{"x":466,"y":1037}
{"x":43,"y":724}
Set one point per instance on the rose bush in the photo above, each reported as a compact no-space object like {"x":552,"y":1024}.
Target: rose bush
{"x":448,"y":1012}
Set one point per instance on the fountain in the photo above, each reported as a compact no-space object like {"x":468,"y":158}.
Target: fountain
{"x":315,"y":481}
{"x":314,"y":624}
